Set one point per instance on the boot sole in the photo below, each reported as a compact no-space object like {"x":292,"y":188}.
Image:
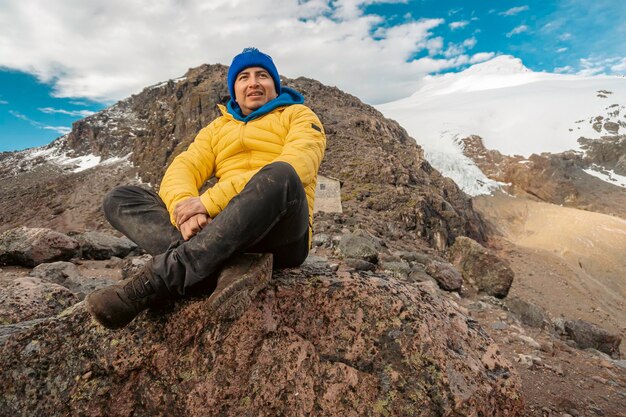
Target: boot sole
{"x":255,"y":271}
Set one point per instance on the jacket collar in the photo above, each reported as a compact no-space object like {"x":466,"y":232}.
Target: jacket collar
{"x":288,"y":97}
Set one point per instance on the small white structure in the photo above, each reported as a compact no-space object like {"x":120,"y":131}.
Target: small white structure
{"x":327,"y":195}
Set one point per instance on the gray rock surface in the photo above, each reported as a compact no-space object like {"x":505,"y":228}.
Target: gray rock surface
{"x":316,"y":261}
{"x":321,"y":239}
{"x":588,"y":335}
{"x":67,"y":275}
{"x":360,"y":264}
{"x":528,"y":313}
{"x":358,"y":247}
{"x":134,"y":264}
{"x":481,"y":268}
{"x":418,"y":274}
{"x":420,"y":258}
{"x":29,"y":298}
{"x":399,"y":270}
{"x":32,"y":246}
{"x":446,"y":275}
{"x":99,"y":245}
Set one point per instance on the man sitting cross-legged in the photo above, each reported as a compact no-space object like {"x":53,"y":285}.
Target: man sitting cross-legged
{"x":265,"y":151}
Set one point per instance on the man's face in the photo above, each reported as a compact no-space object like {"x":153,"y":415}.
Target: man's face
{"x":253,"y":88}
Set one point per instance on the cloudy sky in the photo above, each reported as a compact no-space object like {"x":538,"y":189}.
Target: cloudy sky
{"x":61,"y":60}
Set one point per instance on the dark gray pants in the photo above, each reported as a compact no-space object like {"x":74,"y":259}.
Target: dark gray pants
{"x":270,"y":215}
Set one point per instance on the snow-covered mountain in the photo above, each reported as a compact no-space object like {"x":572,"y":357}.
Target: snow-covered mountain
{"x":514,"y":110}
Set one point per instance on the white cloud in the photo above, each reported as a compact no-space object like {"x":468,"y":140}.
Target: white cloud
{"x":481,"y":57}
{"x":4,"y":102}
{"x":460,"y":48}
{"x":620,"y":67}
{"x":591,"y":66}
{"x":561,"y":50}
{"x":514,"y":10}
{"x":599,"y":65}
{"x":517,"y":30}
{"x":78,"y":103}
{"x":78,"y":113}
{"x":348,"y":9}
{"x":453,"y":50}
{"x":564,"y":36}
{"x":59,"y":129}
{"x":565,"y":69}
{"x":469,"y":42}
{"x":107,"y":51}
{"x":458,"y":25}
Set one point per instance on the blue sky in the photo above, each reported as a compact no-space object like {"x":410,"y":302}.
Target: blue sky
{"x":62,"y":60}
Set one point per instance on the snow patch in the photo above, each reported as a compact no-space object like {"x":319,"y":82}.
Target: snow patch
{"x":607,"y":176}
{"x":164,"y":83}
{"x":86,"y":162}
{"x":514,"y":110}
{"x":463,"y":172}
{"x":82,"y":163}
{"x":25,"y":160}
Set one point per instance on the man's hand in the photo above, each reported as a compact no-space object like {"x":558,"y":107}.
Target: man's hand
{"x":193,"y":225}
{"x":188,"y":208}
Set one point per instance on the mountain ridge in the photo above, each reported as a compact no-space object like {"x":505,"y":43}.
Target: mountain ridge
{"x":142,"y":134}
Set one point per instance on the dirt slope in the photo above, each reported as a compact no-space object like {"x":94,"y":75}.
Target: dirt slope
{"x":571,"y":262}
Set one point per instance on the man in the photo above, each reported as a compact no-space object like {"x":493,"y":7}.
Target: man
{"x":265,"y":151}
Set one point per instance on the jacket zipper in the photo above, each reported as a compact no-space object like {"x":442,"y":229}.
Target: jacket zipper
{"x":243,"y":143}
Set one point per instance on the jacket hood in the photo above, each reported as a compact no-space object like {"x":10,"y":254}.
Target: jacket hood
{"x":287,"y":97}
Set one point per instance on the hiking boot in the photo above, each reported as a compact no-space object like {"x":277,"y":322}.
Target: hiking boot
{"x":238,"y":283}
{"x":117,"y":305}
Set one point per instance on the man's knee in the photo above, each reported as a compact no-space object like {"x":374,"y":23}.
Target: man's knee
{"x":282,"y":172}
{"x":111,"y":202}
{"x":117,"y":196}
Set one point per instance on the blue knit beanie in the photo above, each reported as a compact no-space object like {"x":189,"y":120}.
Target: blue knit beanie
{"x":251,"y":57}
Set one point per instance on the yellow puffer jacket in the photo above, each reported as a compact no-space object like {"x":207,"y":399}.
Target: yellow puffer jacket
{"x":233,"y":151}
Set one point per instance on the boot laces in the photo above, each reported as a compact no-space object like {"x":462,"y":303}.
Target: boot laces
{"x":139,"y":287}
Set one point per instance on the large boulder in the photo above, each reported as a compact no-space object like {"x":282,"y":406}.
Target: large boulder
{"x":445,"y":274}
{"x":29,"y":298}
{"x":67,"y":275}
{"x":587,"y":335}
{"x":99,"y":245}
{"x":481,"y":268}
{"x":33,"y":246}
{"x":314,"y":342}
{"x":528,"y":313}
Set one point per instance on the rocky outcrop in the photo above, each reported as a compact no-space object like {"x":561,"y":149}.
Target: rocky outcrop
{"x":559,"y":178}
{"x":313,"y":343}
{"x":32,"y":246}
{"x":31,"y":298}
{"x":446,"y":275}
{"x":99,"y":245}
{"x":481,"y":269}
{"x":608,"y":152}
{"x":528,"y":313}
{"x":67,"y":275}
{"x":588,"y":335}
